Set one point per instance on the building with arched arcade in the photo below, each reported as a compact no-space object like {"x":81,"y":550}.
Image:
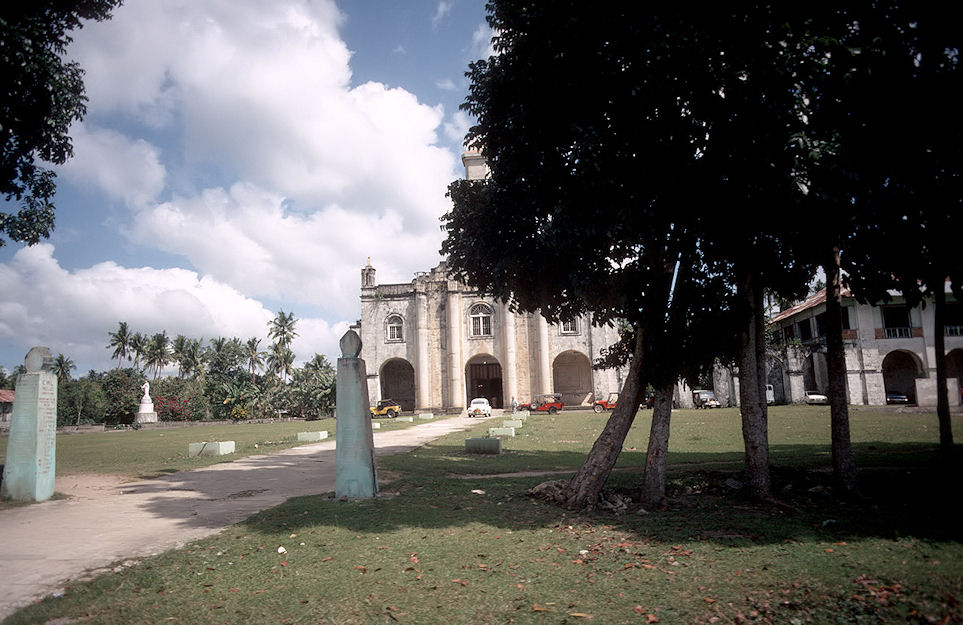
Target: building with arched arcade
{"x":889,"y":349}
{"x":435,"y":344}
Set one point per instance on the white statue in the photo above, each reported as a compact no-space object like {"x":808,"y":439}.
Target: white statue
{"x":146,"y":398}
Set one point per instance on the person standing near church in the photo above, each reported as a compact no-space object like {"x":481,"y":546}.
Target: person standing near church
{"x":514,"y":405}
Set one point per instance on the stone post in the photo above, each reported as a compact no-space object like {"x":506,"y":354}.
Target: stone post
{"x":355,"y":473}
{"x":28,"y":474}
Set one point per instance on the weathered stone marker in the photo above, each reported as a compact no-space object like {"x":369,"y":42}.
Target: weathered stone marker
{"x":312,"y":436}
{"x":512,"y":423}
{"x":492,"y":432}
{"x":210,"y":448}
{"x":483,"y":445}
{"x":30,"y":466}
{"x":426,"y":415}
{"x":355,"y":473}
{"x":406,"y":419}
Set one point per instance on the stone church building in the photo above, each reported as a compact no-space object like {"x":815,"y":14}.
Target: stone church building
{"x":435,"y":344}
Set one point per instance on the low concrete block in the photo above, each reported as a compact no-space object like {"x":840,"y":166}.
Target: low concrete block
{"x":312,"y":436}
{"x":375,"y":425}
{"x":483,"y":445}
{"x":501,"y":431}
{"x":521,"y":414}
{"x":405,"y":419}
{"x":512,"y":423}
{"x":214,"y":448}
{"x":426,"y":415}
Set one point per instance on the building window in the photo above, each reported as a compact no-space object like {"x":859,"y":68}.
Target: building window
{"x":480,"y":320}
{"x":570,"y":327}
{"x":896,"y":322}
{"x":805,"y":330}
{"x":394,"y":329}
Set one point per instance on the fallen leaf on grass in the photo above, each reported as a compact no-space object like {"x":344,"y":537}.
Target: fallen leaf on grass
{"x":327,"y":559}
{"x":459,"y":581}
{"x":285,"y":563}
{"x":708,"y":599}
{"x":538,"y":608}
{"x":361,"y":568}
{"x":414,"y":558}
{"x":580,"y":615}
{"x":652,"y":618}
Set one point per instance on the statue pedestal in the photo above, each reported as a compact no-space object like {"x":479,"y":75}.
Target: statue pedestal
{"x":145,"y":413}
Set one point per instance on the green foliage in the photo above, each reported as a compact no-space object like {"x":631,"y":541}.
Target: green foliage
{"x":81,"y":401}
{"x":122,"y":391}
{"x":313,"y":389}
{"x":42,"y":95}
{"x":177,"y":399}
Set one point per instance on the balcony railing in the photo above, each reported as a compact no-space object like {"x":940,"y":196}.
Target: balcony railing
{"x":954,"y":330}
{"x":899,"y":333}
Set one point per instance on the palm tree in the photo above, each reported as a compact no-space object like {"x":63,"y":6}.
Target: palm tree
{"x":280,"y":361}
{"x":120,"y":341}
{"x":62,"y":367}
{"x":192,"y":359}
{"x":178,"y":347}
{"x":138,"y":343}
{"x":255,"y":357}
{"x":157,"y":352}
{"x":281,"y":329}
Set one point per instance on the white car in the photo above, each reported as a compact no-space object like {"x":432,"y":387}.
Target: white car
{"x":815,"y":397}
{"x":480,"y":408}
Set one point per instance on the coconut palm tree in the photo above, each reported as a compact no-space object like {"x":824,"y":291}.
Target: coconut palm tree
{"x":138,"y":344}
{"x":157,"y":352}
{"x":192,"y":359}
{"x":178,"y":347}
{"x":62,"y":367}
{"x":255,"y":357}
{"x":280,"y":361}
{"x":120,"y":342}
{"x":281,"y":329}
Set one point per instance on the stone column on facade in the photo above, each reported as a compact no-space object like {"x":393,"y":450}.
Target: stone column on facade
{"x":456,"y":377}
{"x":510,"y":390}
{"x":544,"y":366}
{"x":422,"y":393}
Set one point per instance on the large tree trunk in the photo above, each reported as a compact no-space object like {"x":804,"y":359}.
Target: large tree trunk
{"x":752,"y":397}
{"x":844,"y":465}
{"x":939,"y":345}
{"x":653,"y":477}
{"x":583,"y":489}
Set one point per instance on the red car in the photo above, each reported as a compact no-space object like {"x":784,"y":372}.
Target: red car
{"x":606,"y":404}
{"x":550,"y":403}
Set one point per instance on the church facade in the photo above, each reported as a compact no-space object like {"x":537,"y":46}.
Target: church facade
{"x":435,"y":344}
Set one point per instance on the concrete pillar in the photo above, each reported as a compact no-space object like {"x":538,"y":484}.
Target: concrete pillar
{"x":510,"y":370}
{"x":544,"y":366}
{"x":456,"y":369}
{"x":422,"y":395}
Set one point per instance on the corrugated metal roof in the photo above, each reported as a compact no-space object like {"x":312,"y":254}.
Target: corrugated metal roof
{"x":810,"y":302}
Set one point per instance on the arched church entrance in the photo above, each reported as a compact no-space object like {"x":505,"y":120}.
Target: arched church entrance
{"x":900,"y":370}
{"x":572,"y":377}
{"x":398,"y":382}
{"x":954,"y":369}
{"x":484,"y":379}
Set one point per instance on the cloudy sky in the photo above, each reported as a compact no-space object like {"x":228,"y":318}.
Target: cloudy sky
{"x":241,"y":157}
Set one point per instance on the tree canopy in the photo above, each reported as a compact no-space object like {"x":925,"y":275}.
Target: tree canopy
{"x":41,"y":96}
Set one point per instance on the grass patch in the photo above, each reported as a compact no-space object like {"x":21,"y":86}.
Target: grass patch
{"x":151,"y":453}
{"x":438,"y":548}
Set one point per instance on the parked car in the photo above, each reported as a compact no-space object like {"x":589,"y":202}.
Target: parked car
{"x":897,"y":398}
{"x":479,"y":407}
{"x":815,"y":397}
{"x":386,"y":408}
{"x":606,"y":404}
{"x":705,"y":399}
{"x":550,"y":403}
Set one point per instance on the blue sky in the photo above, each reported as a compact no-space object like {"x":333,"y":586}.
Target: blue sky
{"x":241,"y":157}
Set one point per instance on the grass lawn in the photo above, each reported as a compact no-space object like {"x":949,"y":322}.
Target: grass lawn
{"x":449,"y":542}
{"x":149,"y":453}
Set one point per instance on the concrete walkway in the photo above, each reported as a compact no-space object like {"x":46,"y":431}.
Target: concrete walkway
{"x":106,"y":519}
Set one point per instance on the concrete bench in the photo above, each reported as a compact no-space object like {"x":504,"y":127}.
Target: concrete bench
{"x":501,"y":432}
{"x":426,"y":415}
{"x":512,"y":423}
{"x":375,"y":425}
{"x":216,"y":448}
{"x":406,"y":419}
{"x":483,"y":445}
{"x":312,"y":436}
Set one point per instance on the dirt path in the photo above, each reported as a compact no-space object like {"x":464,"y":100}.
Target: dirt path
{"x":107,"y":519}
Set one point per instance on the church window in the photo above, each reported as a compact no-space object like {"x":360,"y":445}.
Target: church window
{"x":480,"y":320}
{"x":394,"y":329}
{"x":570,"y":327}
